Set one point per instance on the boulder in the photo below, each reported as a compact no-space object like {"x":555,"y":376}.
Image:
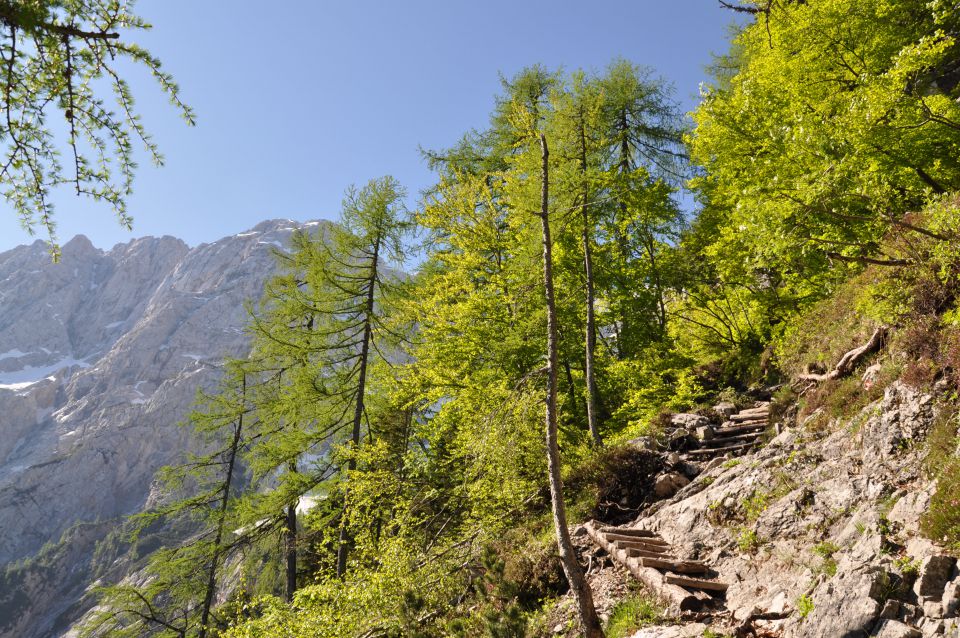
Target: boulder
{"x":846,"y":605}
{"x":933,"y":609}
{"x":666,"y":485}
{"x":933,"y":575}
{"x":904,"y":415}
{"x":951,"y":599}
{"x":689,"y":421}
{"x":890,"y":610}
{"x":895,"y":629}
{"x":931,"y":627}
{"x":725,"y":409}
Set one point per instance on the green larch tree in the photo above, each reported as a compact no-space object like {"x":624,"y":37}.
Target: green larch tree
{"x":63,"y":59}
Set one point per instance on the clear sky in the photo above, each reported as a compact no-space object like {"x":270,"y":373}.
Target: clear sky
{"x":298,"y":99}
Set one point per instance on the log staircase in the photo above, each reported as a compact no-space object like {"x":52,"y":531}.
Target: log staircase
{"x":685,"y":585}
{"x":742,"y":432}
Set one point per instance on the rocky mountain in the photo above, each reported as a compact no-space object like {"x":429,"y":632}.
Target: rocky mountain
{"x":101,"y":356}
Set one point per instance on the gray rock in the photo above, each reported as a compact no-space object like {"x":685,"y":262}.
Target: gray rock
{"x":905,"y":416}
{"x":933,"y":574}
{"x":931,"y":627}
{"x":845,"y":605}
{"x":933,"y":609}
{"x":894,"y":629}
{"x":705,"y":433}
{"x":909,"y":612}
{"x":689,"y":421}
{"x":951,"y":599}
{"x":725,"y":409}
{"x":666,"y":485}
{"x":890,"y":610}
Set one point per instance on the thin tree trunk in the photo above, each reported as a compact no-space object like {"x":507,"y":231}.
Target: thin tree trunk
{"x":591,"y":337}
{"x":224,"y":502}
{"x":626,"y":325}
{"x":345,"y":541}
{"x":590,"y":623}
{"x":657,"y":282}
{"x":571,"y":390}
{"x":290,"y":545}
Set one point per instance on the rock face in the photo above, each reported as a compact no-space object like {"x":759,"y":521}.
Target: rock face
{"x":819,"y":533}
{"x":100,"y":358}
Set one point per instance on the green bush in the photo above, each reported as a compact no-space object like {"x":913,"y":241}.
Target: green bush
{"x":942,"y":521}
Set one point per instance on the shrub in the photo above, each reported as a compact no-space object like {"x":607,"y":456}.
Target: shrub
{"x":941,"y":522}
{"x":749,"y":541}
{"x":612,"y":484}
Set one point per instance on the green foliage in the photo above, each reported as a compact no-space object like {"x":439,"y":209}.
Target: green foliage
{"x":748,"y":541}
{"x":839,"y":118}
{"x":612,"y":482}
{"x":825,"y":551}
{"x":62,"y":61}
{"x":804,"y":605}
{"x":941,"y":522}
{"x":633,"y":613}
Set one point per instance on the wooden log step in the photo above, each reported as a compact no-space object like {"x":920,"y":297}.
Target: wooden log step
{"x":637,"y":552}
{"x":757,"y":410}
{"x":648,"y":547}
{"x":727,"y":440}
{"x":756,"y":419}
{"x":737,"y":418}
{"x":627,"y":537}
{"x":740,"y":429}
{"x":695,"y":583}
{"x":711,"y":451}
{"x":679,"y":566}
{"x":676,"y":597}
{"x":629,"y":531}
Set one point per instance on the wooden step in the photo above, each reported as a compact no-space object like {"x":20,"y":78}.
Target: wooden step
{"x":740,"y":429}
{"x":749,"y":421}
{"x":679,"y":566}
{"x":637,"y":544}
{"x":717,"y":451}
{"x":637,"y":552}
{"x":726,"y":440}
{"x":629,"y":531}
{"x":677,"y":598}
{"x":695,"y":583}
{"x":611,"y":537}
{"x":760,"y":416}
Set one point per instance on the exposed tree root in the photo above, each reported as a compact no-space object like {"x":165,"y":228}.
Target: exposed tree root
{"x":850,"y":360}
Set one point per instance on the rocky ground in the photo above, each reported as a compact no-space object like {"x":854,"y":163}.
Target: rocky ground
{"x":816,"y":533}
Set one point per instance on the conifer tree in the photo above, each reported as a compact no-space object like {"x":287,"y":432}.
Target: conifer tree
{"x":180,"y":581}
{"x":62,"y":59}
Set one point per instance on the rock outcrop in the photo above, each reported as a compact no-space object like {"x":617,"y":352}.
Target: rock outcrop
{"x":817,"y":533}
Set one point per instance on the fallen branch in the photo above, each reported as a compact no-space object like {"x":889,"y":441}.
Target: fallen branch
{"x":849,"y":361}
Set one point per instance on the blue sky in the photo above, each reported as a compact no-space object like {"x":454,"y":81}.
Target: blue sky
{"x":298,"y":99}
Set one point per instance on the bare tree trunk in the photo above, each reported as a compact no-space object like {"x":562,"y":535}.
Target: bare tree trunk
{"x":590,"y":623}
{"x":345,"y":541}
{"x":290,"y":545}
{"x":591,"y":337}
{"x":224,"y":503}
